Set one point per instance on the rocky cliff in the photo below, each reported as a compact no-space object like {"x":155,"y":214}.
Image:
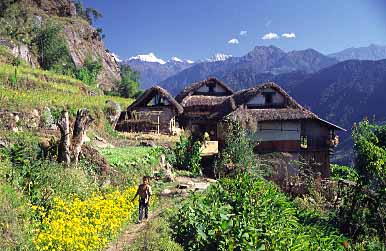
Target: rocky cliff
{"x":83,"y":39}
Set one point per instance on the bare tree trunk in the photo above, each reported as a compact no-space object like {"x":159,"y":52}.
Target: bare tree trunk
{"x":64,"y":144}
{"x":82,"y":123}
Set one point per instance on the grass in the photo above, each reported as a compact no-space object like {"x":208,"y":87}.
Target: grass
{"x":132,"y":162}
{"x":37,"y":89}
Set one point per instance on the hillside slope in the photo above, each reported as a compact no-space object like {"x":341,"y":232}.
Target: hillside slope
{"x":23,"y":16}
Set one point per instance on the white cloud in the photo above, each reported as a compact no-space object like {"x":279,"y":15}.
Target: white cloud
{"x":288,"y":35}
{"x":243,"y":33}
{"x":270,"y":36}
{"x":233,"y":41}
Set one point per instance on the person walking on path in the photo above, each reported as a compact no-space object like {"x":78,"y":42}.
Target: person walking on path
{"x":144,"y":193}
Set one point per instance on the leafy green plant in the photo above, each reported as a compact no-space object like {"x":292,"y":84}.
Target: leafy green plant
{"x":362,"y":214}
{"x":188,"y":155}
{"x":238,"y":155}
{"x":343,"y":172}
{"x":88,"y":74}
{"x":248,"y":213}
{"x":52,"y":49}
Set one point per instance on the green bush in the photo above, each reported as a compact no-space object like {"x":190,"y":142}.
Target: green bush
{"x":343,"y":172}
{"x":88,"y":73}
{"x":238,"y":155}
{"x":188,"y":155}
{"x":52,"y":49}
{"x":362,"y":213}
{"x":247,"y":213}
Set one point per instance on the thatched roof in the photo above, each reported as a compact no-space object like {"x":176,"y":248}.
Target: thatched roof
{"x":273,"y":114}
{"x":189,"y":90}
{"x":201,"y":100}
{"x":142,"y":100}
{"x":291,"y":109}
{"x":243,"y":96}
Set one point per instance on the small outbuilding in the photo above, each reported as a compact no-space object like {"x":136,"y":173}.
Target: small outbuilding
{"x":154,"y":111}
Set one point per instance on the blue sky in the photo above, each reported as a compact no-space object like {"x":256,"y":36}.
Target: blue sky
{"x":196,"y":29}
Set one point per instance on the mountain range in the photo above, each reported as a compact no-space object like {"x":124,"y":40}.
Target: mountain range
{"x":260,"y":64}
{"x":153,"y":69}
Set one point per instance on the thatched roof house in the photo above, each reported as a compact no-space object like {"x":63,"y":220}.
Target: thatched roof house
{"x":165,"y":98}
{"x":209,"y":87}
{"x":279,"y":123}
{"x":154,"y":111}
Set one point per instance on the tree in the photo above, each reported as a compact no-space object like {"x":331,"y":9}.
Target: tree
{"x":364,"y":208}
{"x":52,"y":48}
{"x":89,"y":14}
{"x":129,"y":86}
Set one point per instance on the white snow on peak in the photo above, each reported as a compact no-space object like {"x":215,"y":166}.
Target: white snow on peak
{"x":176,"y":59}
{"x":116,"y":57}
{"x":218,"y":57}
{"x":148,"y":58}
{"x":189,"y":61}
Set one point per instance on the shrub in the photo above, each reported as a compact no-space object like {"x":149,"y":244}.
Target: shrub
{"x":343,"y":172}
{"x":362,"y":213}
{"x":15,"y":22}
{"x":52,"y":49}
{"x":89,"y":72}
{"x":247,"y":213}
{"x":188,"y":155}
{"x":238,"y":155}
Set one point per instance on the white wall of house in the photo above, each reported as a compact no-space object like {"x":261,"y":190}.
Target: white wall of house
{"x":155,"y":101}
{"x":277,"y":131}
{"x":217,"y":88}
{"x":259,"y":99}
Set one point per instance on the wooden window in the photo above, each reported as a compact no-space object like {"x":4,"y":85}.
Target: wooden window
{"x":303,"y":142}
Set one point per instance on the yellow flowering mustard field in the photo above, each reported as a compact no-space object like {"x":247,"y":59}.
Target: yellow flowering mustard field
{"x":84,"y":224}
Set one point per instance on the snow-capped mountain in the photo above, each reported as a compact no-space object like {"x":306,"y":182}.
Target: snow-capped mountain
{"x":218,"y":57}
{"x":153,"y":70}
{"x":151,"y":58}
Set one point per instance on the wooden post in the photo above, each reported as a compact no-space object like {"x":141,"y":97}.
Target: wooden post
{"x":158,"y":123}
{"x":64,"y":144}
{"x":69,"y":148}
{"x":82,"y":123}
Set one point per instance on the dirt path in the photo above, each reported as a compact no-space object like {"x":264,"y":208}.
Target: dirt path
{"x":134,"y":231}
